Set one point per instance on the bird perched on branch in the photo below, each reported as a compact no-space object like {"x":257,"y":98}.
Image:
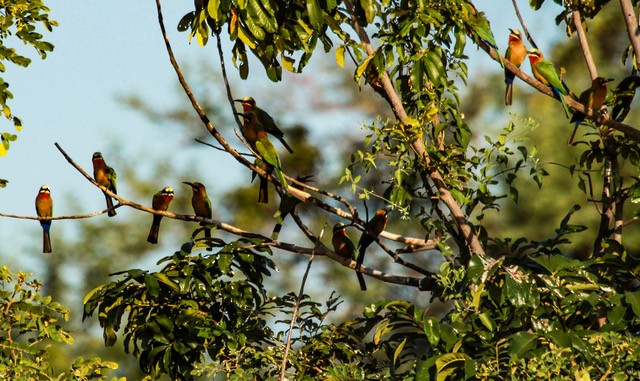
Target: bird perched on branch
{"x":516,"y":53}
{"x":623,"y":96}
{"x":44,"y":208}
{"x":265,"y":148}
{"x":201,"y":206}
{"x":593,"y":98}
{"x":373,"y":228}
{"x":267,"y":122}
{"x":545,"y":72}
{"x":105,"y":176}
{"x":344,"y":247}
{"x":287,"y":204}
{"x":160,"y":201}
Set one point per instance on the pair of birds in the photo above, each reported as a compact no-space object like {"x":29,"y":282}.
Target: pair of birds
{"x":344,"y":246}
{"x":102,"y":173}
{"x":545,"y":72}
{"x":257,"y":123}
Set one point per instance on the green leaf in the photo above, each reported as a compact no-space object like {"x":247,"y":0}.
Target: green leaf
{"x":340,"y":55}
{"x":153,"y":287}
{"x":633,"y":299}
{"x":398,"y":350}
{"x":315,"y":14}
{"x":363,"y":66}
{"x":521,"y":343}
{"x":165,"y":280}
{"x":224,"y":262}
{"x":369,"y":10}
{"x":212,"y":9}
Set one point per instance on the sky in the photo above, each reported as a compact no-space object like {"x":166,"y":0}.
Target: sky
{"x":106,"y":50}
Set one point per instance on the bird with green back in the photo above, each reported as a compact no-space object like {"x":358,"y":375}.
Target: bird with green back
{"x":105,"y":176}
{"x":593,"y":98}
{"x":266,"y":120}
{"x":545,"y":72}
{"x":516,"y":53}
{"x":201,"y":207}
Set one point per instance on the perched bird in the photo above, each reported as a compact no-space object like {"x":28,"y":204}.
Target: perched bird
{"x":343,"y":246}
{"x":201,"y":206}
{"x":373,"y":228}
{"x":623,"y":96}
{"x":545,"y":72}
{"x":250,"y":127}
{"x":516,"y":53}
{"x":263,"y":191}
{"x":267,"y":122}
{"x":287,"y":204}
{"x":44,"y":208}
{"x":160,"y":201}
{"x":269,"y":154}
{"x":105,"y":176}
{"x":593,"y":98}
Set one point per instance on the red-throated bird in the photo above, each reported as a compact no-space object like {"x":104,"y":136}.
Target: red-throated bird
{"x":343,"y":245}
{"x":160,"y":201}
{"x":516,"y":53}
{"x":250,"y":127}
{"x":623,"y":96}
{"x":287,"y":204}
{"x":44,"y":208}
{"x":201,"y":206}
{"x":105,"y":176}
{"x":545,"y":72}
{"x":593,"y":98}
{"x":373,"y":228}
{"x":267,"y":122}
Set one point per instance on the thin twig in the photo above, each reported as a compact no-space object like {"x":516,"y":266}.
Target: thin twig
{"x":584,"y":44}
{"x":294,"y":314}
{"x":71,"y":217}
{"x":220,"y":148}
{"x":524,"y":26}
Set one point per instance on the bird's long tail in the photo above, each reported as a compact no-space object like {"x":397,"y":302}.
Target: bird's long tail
{"x":284,"y":144}
{"x":155,"y":229}
{"x":46,"y":238}
{"x":279,"y":221}
{"x":508,"y":93}
{"x":564,"y":104}
{"x":207,"y":236}
{"x":111,"y":212}
{"x":263,"y":192}
{"x":359,"y":261}
{"x":280,"y":176}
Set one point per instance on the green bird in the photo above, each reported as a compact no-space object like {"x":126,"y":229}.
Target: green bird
{"x":105,"y":176}
{"x":623,"y":96}
{"x":593,"y":98}
{"x":267,"y":122}
{"x":516,"y":53}
{"x":201,"y":206}
{"x":373,"y":228}
{"x":287,"y":204}
{"x":160,"y":201}
{"x":343,"y":245}
{"x":545,"y":72}
{"x":265,"y":148}
{"x":249,"y":130}
{"x":44,"y":208}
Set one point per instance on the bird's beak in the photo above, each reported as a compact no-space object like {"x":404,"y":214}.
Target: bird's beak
{"x":238,"y":100}
{"x":608,"y":80}
{"x":189,"y":184}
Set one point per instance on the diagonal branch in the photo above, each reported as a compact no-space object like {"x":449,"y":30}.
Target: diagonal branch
{"x":633,"y":30}
{"x":582,"y":37}
{"x":524,"y":26}
{"x":418,"y":146}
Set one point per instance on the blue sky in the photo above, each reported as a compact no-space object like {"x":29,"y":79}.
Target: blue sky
{"x":104,"y":50}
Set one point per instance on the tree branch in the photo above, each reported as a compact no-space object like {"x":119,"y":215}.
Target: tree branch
{"x":633,"y":30}
{"x":524,"y":26}
{"x":582,"y":37}
{"x":396,"y":104}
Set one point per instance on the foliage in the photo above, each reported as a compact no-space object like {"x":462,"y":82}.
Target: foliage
{"x":20,"y":18}
{"x":29,"y":330}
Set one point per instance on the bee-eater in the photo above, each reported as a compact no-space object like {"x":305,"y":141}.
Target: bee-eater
{"x":44,"y":208}
{"x":516,"y":53}
{"x":250,"y":127}
{"x":623,"y":96}
{"x":373,"y":228}
{"x":545,"y":72}
{"x":593,"y":98}
{"x":201,"y":206}
{"x":105,"y":176}
{"x":287,"y":204}
{"x":263,"y":191}
{"x":343,"y":245}
{"x":269,"y":154}
{"x":160,"y":201}
{"x":267,"y":122}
